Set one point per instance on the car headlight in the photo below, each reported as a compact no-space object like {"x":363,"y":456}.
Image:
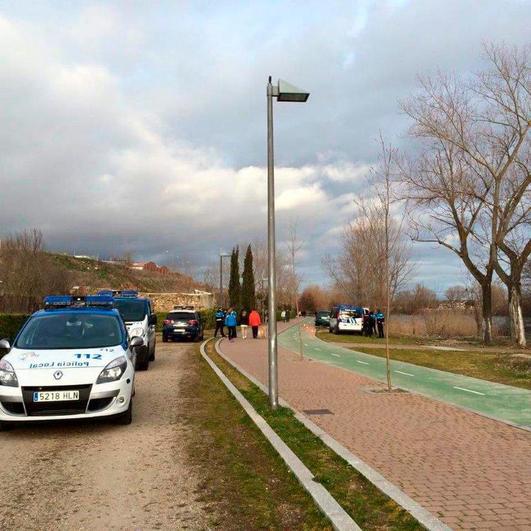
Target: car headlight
{"x":7,"y":374}
{"x":113,"y":371}
{"x":136,"y":332}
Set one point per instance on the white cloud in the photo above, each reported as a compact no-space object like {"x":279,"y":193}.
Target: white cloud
{"x":129,"y":127}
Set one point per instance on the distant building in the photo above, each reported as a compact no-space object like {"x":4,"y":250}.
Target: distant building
{"x":150,"y":266}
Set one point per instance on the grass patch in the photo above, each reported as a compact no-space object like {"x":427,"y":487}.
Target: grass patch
{"x":244,"y":481}
{"x":507,"y":369}
{"x":325,"y":335}
{"x":368,"y":506}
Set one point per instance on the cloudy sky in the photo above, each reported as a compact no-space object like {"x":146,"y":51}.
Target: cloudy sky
{"x":139,"y":126}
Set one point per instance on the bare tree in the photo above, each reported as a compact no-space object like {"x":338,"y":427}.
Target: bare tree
{"x":294,"y":246}
{"x":394,"y":257}
{"x":456,"y":294}
{"x":28,"y":273}
{"x":373,"y":235}
{"x":473,"y":171}
{"x":374,"y":243}
{"x":260,"y":267}
{"x":314,"y":298}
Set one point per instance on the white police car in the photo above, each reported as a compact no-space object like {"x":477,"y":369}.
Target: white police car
{"x":71,"y":360}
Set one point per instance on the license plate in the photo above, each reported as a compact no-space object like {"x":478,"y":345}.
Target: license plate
{"x":55,"y":396}
{"x":179,"y":330}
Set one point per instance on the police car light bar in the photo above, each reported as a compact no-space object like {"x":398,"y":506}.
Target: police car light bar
{"x":68,"y":301}
{"x":119,"y":292}
{"x":129,"y":293}
{"x":107,"y":292}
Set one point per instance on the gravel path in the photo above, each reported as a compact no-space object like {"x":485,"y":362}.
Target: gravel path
{"x":94,"y":475}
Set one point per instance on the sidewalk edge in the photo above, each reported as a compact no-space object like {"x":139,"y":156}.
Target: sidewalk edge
{"x":340,"y":519}
{"x":427,"y":519}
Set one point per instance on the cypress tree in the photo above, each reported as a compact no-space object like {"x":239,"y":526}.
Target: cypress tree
{"x":234,"y":282}
{"x":248,"y":293}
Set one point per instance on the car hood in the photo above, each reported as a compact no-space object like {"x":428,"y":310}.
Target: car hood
{"x":22,"y":359}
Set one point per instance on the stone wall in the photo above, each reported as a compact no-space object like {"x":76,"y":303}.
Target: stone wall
{"x":164,"y":302}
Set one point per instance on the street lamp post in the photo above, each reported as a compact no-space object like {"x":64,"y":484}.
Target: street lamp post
{"x":221,"y":256}
{"x":283,"y":92}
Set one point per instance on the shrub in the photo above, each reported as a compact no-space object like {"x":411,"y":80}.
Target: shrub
{"x":407,"y":325}
{"x":449,"y":323}
{"x":209,"y":318}
{"x":10,"y":324}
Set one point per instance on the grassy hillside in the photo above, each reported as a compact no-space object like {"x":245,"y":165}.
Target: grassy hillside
{"x":94,"y":274}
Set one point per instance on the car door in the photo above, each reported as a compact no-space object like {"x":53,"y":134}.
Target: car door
{"x":151,"y":325}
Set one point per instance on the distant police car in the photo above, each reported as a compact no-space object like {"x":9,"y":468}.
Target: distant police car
{"x":139,"y":320}
{"x":346,"y":318}
{"x":71,"y":360}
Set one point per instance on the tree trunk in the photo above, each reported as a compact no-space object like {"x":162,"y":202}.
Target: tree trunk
{"x":486,"y":312}
{"x":516,"y":318}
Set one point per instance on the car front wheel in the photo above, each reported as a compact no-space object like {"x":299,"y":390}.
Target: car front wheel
{"x":125,"y":418}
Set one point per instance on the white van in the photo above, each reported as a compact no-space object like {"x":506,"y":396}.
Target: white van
{"x":140,"y":321}
{"x":346,"y":318}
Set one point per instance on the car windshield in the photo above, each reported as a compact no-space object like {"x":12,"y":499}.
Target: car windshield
{"x":180,"y":316}
{"x":322,"y":314}
{"x":131,"y":309}
{"x":350,"y":313}
{"x":70,"y":330}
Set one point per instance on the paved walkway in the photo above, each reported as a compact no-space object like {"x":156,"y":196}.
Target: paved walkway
{"x":503,"y":402}
{"x":468,"y":470}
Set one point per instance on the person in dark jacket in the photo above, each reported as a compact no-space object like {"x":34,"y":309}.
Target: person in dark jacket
{"x":380,"y":319}
{"x":365,"y":331}
{"x":220,"y":322}
{"x":231,"y":321}
{"x":372,"y":324}
{"x":244,"y":323}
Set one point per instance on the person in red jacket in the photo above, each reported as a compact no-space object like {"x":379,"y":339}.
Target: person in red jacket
{"x":254,"y":322}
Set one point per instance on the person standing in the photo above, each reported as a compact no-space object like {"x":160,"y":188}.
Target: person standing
{"x":220,"y":321}
{"x":231,"y":321}
{"x":244,"y":323}
{"x":380,"y":320}
{"x":254,"y":322}
{"x":365,"y":324}
{"x":372,"y":324}
{"x":283,"y":315}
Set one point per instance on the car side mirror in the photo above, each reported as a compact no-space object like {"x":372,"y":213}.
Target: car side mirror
{"x":152,"y":319}
{"x":4,"y":344}
{"x":136,"y":342}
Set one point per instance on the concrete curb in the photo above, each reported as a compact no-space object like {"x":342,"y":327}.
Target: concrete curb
{"x":427,"y":519}
{"x":339,"y":518}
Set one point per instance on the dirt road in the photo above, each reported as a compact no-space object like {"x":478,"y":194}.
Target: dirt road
{"x":95,"y":475}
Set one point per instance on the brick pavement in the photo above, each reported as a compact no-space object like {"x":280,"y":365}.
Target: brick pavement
{"x":471,"y":472}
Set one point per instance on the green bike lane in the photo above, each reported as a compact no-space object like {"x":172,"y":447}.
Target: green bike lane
{"x":498,"y":401}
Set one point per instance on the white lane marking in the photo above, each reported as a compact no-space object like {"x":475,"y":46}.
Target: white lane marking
{"x":406,"y":373}
{"x":364,"y":362}
{"x":336,"y":355}
{"x":469,"y":390}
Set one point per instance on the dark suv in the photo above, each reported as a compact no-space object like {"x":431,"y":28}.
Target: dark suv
{"x":322,"y":318}
{"x":182,"y":323}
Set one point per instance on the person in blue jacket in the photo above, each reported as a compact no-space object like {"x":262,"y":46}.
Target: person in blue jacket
{"x":231,"y":321}
{"x":380,"y":319}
